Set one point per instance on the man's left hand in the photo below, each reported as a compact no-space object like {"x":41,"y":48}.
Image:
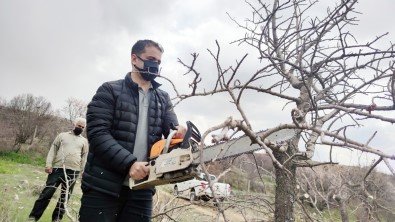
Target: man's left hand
{"x":48,"y":169}
{"x":181,"y":130}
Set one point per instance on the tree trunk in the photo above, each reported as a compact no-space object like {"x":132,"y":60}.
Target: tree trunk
{"x":285,"y":191}
{"x":34,"y":135}
{"x":342,"y":207}
{"x":343,"y":211}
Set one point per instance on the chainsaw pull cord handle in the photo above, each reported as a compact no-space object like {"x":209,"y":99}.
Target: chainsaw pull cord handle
{"x":173,"y":131}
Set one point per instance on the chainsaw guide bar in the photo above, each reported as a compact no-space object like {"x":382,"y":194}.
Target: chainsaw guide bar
{"x":180,"y":161}
{"x":241,"y":145}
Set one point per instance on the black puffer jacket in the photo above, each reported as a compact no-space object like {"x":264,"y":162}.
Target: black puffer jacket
{"x":112,"y":119}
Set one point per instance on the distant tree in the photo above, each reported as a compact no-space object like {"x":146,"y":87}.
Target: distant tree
{"x":310,"y":61}
{"x":29,"y":114}
{"x":3,"y":102}
{"x":74,"y":108}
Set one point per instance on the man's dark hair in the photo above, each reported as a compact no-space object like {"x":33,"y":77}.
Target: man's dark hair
{"x":139,"y":46}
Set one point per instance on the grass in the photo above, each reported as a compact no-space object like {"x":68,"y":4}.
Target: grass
{"x":7,"y":167}
{"x":22,"y":178}
{"x":20,"y":185}
{"x":22,"y":157}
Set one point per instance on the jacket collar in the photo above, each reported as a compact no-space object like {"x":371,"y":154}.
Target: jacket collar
{"x":131,"y":83}
{"x":72,"y":133}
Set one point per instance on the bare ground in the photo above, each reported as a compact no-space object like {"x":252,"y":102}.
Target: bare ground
{"x":181,"y":209}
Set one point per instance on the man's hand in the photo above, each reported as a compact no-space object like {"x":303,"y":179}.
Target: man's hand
{"x":48,"y":170}
{"x":181,"y":130}
{"x":139,"y":170}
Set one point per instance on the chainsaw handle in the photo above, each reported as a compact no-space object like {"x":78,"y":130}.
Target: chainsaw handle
{"x":131,"y":182}
{"x":168,"y":140}
{"x":192,"y":131}
{"x":173,"y":131}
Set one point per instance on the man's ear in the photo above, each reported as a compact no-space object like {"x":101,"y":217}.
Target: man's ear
{"x":133,"y":59}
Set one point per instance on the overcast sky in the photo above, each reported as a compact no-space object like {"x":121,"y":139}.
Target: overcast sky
{"x":62,"y":49}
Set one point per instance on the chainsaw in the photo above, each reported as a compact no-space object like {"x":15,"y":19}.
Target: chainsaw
{"x":178,"y":160}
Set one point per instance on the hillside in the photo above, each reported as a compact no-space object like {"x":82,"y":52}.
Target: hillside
{"x":15,"y":124}
{"x":322,"y":190}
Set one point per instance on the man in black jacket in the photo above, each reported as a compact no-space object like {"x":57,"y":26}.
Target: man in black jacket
{"x":124,"y":119}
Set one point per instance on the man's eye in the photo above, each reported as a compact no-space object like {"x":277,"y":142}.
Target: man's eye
{"x":154,"y":60}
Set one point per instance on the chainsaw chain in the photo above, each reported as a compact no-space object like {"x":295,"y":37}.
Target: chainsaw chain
{"x":227,"y":144}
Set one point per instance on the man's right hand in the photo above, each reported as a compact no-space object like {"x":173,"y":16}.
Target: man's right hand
{"x":48,"y":170}
{"x":139,"y":170}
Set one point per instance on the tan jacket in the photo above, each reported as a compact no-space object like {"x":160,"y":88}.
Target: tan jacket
{"x":68,"y":151}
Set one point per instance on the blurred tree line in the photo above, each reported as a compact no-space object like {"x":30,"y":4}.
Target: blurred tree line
{"x":30,"y":122}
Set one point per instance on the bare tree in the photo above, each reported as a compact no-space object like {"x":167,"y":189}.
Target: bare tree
{"x":69,"y":180}
{"x":168,"y":208}
{"x":3,"y":102}
{"x":74,"y":108}
{"x":30,"y":113}
{"x":316,"y":65}
{"x":347,"y":189}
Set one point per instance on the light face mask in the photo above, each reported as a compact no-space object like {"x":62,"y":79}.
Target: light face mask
{"x":150,"y":70}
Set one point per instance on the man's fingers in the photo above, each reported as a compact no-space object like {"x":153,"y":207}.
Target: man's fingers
{"x":48,"y":170}
{"x":181,"y":130}
{"x":139,"y":170}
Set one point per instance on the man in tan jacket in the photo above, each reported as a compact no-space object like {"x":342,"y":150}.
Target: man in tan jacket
{"x":66,"y":157}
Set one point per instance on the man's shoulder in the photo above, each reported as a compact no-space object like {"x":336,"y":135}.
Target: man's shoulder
{"x":65,"y":133}
{"x":115,"y":82}
{"x":83,"y":138}
{"x":110,"y":87}
{"x":70,"y":134}
{"x":162,"y":93}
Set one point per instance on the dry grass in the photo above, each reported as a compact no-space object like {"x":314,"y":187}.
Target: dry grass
{"x":22,"y":183}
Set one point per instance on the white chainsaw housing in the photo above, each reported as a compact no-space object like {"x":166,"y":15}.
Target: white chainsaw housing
{"x":175,"y":166}
{"x":182,"y":162}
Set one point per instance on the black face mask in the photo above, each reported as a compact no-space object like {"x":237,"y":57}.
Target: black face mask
{"x":77,"y":131}
{"x":150,"y":70}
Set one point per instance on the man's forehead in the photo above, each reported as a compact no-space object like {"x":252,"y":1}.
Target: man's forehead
{"x":152,"y":50}
{"x":152,"y":53}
